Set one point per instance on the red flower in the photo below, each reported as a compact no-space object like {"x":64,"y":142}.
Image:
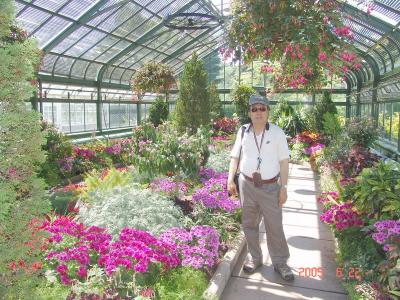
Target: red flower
{"x":36,"y":265}
{"x":169,"y":174}
{"x":12,"y":265}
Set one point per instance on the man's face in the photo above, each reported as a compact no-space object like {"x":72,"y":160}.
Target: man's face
{"x":258,"y":113}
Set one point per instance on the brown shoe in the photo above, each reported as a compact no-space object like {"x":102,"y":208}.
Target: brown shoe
{"x":250,"y":265}
{"x":285,"y":271}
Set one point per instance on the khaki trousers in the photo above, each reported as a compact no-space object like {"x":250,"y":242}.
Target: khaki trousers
{"x":257,"y":202}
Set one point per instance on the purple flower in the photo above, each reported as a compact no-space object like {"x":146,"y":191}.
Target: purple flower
{"x":214,"y":193}
{"x":114,"y":149}
{"x":168,"y":186}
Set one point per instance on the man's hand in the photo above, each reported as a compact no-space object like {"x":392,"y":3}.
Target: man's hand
{"x":282,"y":196}
{"x":232,"y":188}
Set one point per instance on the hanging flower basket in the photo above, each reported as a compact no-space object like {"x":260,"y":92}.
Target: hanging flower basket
{"x":302,"y":43}
{"x":152,"y":77}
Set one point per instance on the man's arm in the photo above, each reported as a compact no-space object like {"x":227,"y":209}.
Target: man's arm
{"x":233,"y":165}
{"x":284,"y":173}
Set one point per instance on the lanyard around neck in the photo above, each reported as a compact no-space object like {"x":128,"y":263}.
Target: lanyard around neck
{"x":259,"y":147}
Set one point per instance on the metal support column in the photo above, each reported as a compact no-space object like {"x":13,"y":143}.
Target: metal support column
{"x":99,"y":109}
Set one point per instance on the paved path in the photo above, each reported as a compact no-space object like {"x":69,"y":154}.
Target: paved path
{"x":311,"y":247}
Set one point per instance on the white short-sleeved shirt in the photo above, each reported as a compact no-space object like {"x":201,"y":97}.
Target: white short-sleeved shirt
{"x":273,"y":150}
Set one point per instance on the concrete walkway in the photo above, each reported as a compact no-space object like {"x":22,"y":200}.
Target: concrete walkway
{"x":311,"y":246}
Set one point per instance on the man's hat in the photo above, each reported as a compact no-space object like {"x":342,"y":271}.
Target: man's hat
{"x":255,"y":99}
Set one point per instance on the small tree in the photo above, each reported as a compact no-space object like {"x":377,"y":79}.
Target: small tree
{"x":158,"y":111}
{"x":326,"y":105}
{"x":240,"y":96}
{"x":21,"y":191}
{"x":216,"y":110}
{"x":193,"y":105}
{"x":153,"y":77}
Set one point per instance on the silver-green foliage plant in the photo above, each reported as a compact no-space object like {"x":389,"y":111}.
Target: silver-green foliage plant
{"x":131,"y":206}
{"x":219,"y":161}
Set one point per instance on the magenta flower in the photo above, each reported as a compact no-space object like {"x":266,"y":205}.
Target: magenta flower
{"x":341,"y":216}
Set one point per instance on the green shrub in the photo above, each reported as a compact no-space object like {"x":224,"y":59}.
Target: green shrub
{"x":377,"y":191}
{"x":331,"y":126}
{"x":158,"y":111}
{"x":325,"y":105}
{"x":362,"y":131}
{"x":216,"y":109}
{"x":240,"y":96}
{"x":297,"y":152}
{"x":130,"y":206}
{"x":57,"y":147}
{"x":193,"y":104}
{"x":287,"y":117}
{"x":181,"y":283}
{"x":162,"y":150}
{"x":358,"y":249}
{"x":104,"y":181}
{"x":61,"y":201}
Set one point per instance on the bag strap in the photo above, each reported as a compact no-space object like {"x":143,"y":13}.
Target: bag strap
{"x":241,"y":140}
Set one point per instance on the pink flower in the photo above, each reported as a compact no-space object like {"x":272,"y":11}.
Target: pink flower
{"x":267,"y":69}
{"x":322,"y":56}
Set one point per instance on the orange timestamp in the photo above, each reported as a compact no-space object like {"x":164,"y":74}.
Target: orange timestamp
{"x":343,"y":273}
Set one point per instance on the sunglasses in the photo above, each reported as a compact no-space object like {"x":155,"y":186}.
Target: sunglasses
{"x":255,"y":109}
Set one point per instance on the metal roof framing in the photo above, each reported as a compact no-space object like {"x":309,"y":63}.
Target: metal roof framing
{"x":112,"y":49}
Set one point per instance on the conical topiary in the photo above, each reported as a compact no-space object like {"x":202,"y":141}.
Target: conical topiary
{"x":193,"y":105}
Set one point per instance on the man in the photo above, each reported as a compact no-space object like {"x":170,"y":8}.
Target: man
{"x":264,"y":168}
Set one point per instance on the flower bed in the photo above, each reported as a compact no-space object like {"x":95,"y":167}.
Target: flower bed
{"x":136,"y":237}
{"x":363,"y":212}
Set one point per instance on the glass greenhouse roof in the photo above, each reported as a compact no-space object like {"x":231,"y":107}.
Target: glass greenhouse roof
{"x":107,"y":40}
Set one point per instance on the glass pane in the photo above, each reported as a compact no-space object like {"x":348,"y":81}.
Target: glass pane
{"x":246,"y":74}
{"x":124,"y":117}
{"x":388,"y":120}
{"x":396,"y":122}
{"x":90,"y":116}
{"x":105,"y":117}
{"x":47,"y":112}
{"x":258,"y":77}
{"x":77,"y":115}
{"x":114,"y":115}
{"x":132,"y":114}
{"x":64,"y":118}
{"x":231,"y":75}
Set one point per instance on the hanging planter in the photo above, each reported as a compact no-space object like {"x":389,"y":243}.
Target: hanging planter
{"x":302,"y":43}
{"x":152,"y":77}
